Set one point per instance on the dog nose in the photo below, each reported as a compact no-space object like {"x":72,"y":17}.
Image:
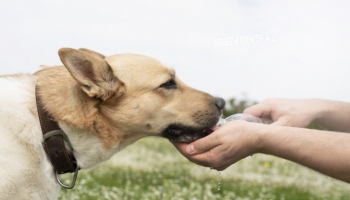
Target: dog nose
{"x":220,"y":103}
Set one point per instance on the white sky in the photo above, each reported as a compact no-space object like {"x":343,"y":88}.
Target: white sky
{"x":247,"y":48}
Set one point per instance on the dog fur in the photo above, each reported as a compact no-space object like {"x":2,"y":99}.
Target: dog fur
{"x":102,"y":103}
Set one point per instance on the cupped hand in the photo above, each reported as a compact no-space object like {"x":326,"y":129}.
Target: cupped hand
{"x":232,"y":142}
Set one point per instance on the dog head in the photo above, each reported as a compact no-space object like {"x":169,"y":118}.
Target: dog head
{"x":137,"y":96}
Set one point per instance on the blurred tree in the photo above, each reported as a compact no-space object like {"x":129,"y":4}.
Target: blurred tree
{"x":234,"y":106}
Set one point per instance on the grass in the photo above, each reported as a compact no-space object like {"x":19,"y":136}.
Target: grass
{"x":153,"y":169}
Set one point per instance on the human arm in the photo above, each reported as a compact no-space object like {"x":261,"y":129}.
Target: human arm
{"x":324,"y":151}
{"x":331,"y":115}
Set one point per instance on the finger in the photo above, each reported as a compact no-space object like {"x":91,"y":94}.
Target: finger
{"x":282,"y":122}
{"x":213,"y":158}
{"x":199,"y":159}
{"x":180,"y":146}
{"x":259,"y":110}
{"x":204,"y":144}
{"x":207,"y":159}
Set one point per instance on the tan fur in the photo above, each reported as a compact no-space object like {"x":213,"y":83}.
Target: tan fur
{"x":102,"y":104}
{"x":118,"y":97}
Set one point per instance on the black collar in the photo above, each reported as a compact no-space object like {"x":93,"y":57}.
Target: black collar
{"x":62,"y":159}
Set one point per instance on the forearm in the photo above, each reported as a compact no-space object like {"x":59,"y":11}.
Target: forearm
{"x":323,"y":151}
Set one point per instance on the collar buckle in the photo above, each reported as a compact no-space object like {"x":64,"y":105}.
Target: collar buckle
{"x":56,"y":145}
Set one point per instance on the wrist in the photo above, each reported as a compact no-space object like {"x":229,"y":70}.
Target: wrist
{"x":311,"y":111}
{"x":268,"y":138}
{"x":262,"y":134}
{"x":322,"y":109}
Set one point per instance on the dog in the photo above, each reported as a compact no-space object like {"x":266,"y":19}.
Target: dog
{"x":100,"y":104}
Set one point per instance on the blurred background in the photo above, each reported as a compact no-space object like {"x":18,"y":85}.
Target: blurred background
{"x":246,"y":49}
{"x":242,"y":50}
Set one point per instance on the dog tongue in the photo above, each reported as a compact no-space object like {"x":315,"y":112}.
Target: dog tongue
{"x":214,"y":128}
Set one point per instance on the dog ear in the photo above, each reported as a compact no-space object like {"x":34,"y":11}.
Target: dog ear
{"x":91,"y":52}
{"x":92,"y":72}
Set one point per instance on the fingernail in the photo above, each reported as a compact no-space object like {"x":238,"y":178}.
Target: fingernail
{"x":190,"y":149}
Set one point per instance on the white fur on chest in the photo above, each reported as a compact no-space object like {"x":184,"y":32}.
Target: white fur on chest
{"x":24,"y":167}
{"x":25,"y":170}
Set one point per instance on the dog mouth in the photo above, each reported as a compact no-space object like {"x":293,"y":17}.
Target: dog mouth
{"x":186,"y":134}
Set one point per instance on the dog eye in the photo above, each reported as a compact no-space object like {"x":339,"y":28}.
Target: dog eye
{"x":171,"y":84}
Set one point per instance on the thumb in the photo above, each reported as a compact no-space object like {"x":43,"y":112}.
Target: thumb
{"x":202,"y":145}
{"x":259,"y":110}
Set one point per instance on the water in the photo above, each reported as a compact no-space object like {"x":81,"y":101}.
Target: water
{"x":219,"y":181}
{"x":246,"y":117}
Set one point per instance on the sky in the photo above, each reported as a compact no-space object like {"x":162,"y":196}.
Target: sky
{"x":245,"y":49}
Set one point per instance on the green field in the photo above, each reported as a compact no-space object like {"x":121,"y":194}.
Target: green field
{"x":153,"y":169}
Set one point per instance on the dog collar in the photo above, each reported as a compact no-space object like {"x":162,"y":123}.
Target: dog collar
{"x":61,"y":158}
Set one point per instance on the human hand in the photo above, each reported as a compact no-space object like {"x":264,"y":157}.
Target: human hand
{"x":287,"y":112}
{"x":230,"y":143}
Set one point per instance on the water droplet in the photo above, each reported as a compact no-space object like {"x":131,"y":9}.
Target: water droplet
{"x":219,"y":183}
